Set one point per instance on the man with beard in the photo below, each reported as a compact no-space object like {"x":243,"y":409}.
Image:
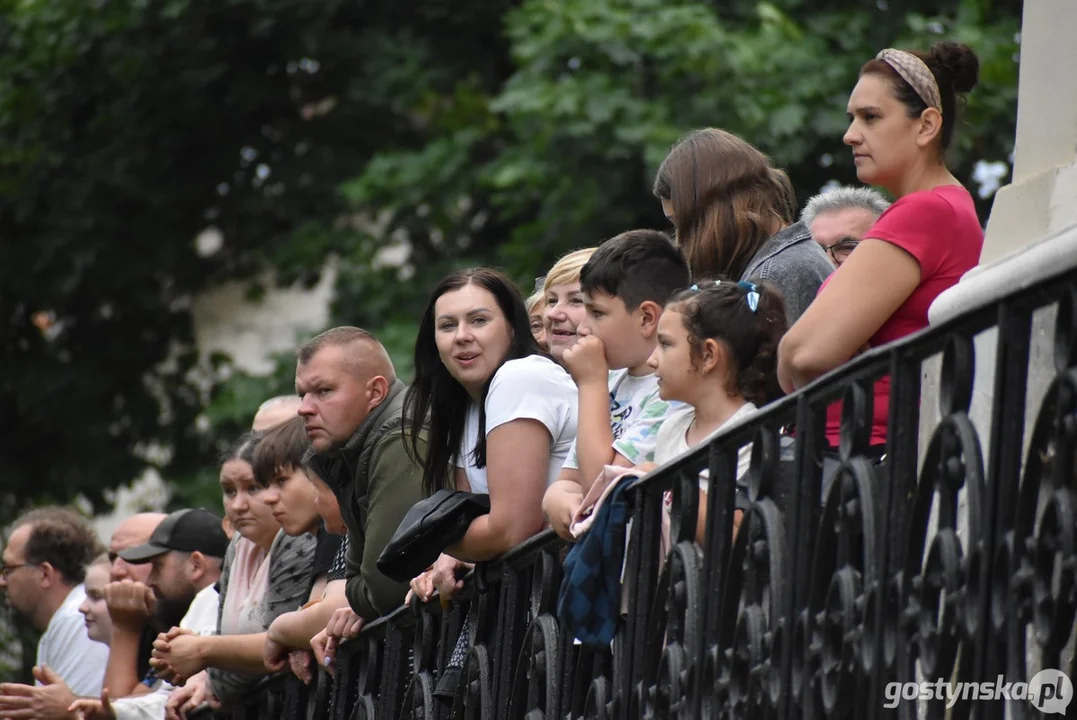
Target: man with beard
{"x":126,"y":596}
{"x":184,"y":554}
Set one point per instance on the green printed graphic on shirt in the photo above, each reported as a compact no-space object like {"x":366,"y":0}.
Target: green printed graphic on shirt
{"x":636,"y":414}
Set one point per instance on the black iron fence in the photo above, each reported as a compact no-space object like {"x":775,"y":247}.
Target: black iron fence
{"x":951,"y":565}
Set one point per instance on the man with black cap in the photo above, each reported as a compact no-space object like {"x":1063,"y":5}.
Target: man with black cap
{"x":185,"y":552}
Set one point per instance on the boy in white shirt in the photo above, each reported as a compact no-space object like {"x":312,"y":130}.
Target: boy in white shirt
{"x":625,"y":284}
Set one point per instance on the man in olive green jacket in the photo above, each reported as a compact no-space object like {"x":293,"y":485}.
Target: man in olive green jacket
{"x":352,"y":403}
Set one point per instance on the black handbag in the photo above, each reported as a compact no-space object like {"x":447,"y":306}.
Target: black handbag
{"x":431,"y":525}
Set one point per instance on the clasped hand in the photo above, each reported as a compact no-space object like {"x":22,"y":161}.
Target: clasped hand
{"x":177,"y":655}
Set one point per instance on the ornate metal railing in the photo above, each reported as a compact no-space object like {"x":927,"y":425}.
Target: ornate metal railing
{"x":954,"y":561}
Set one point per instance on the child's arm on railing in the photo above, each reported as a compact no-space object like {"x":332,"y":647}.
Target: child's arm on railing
{"x":560,"y":503}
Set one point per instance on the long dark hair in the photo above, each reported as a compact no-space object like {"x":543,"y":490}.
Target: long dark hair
{"x":436,"y":399}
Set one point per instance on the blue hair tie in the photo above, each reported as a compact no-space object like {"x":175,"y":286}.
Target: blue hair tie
{"x":753,"y":294}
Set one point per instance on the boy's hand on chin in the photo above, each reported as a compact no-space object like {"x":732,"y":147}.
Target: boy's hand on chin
{"x":586,"y":361}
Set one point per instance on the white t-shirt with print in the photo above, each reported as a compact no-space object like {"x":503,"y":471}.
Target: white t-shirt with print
{"x":672,"y":441}
{"x":636,"y":414}
{"x":534,"y":388}
{"x":67,"y":648}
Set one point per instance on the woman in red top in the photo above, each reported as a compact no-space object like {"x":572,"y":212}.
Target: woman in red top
{"x":902,"y":114}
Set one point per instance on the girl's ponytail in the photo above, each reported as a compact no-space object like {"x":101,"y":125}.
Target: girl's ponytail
{"x":757,"y":378}
{"x":749,"y":319}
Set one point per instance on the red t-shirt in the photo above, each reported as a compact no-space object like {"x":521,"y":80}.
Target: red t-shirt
{"x":940,"y":229}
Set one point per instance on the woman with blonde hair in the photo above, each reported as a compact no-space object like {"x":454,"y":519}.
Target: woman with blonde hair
{"x":564,"y":309}
{"x":734,"y":214}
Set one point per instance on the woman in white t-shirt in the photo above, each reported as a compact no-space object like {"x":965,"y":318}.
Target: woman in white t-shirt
{"x":717,"y":352}
{"x":501,"y":416}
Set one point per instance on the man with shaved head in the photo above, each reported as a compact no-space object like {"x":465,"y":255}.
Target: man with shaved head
{"x":133,"y":531}
{"x":274,"y":411}
{"x":352,"y":405}
{"x":131,"y":605}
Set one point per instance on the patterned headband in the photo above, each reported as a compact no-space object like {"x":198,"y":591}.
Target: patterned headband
{"x":915,"y":72}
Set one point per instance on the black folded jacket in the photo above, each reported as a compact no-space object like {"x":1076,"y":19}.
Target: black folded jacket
{"x":427,"y":529}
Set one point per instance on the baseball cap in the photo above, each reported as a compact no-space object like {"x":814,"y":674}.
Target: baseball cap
{"x":186,"y":530}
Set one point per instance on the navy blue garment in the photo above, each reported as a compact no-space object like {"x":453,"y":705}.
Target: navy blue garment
{"x":589,"y":604}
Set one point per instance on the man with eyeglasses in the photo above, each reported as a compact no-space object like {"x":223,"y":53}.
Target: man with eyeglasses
{"x":44,"y":564}
{"x":839,"y":218}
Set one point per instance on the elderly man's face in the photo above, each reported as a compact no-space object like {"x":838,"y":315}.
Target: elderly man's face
{"x":838,"y":231}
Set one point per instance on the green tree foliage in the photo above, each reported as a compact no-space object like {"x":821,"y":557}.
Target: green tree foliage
{"x":562,"y":155}
{"x":129,"y":126}
{"x":403,"y":141}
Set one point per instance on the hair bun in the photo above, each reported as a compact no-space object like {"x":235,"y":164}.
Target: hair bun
{"x":957,"y":65}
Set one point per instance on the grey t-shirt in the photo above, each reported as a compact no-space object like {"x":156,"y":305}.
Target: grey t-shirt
{"x":290,"y":563}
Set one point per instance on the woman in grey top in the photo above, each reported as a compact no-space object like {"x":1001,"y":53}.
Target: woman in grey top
{"x":734,"y":215}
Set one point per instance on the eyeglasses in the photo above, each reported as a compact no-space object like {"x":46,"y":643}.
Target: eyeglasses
{"x":842,"y":249}
{"x":6,"y":570}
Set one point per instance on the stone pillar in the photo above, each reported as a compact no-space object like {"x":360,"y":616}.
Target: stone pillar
{"x":1041,"y":200}
{"x":1032,"y":231}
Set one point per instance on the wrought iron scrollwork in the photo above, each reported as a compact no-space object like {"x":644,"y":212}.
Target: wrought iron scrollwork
{"x":738,"y":674}
{"x":369,"y":671}
{"x":419,"y":700}
{"x":539,"y":671}
{"x":843,"y":572}
{"x":479,"y":691}
{"x":1041,"y":551}
{"x":928,"y":567}
{"x":419,"y":697}
{"x":681,"y":619}
{"x":935,"y":592}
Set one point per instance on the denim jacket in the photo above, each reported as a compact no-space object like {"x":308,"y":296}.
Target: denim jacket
{"x":795,"y":264}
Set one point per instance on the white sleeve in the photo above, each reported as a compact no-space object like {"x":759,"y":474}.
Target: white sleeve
{"x":533,"y":390}
{"x":76,"y":658}
{"x":572,"y":461}
{"x":150,"y":706}
{"x":201,"y":616}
